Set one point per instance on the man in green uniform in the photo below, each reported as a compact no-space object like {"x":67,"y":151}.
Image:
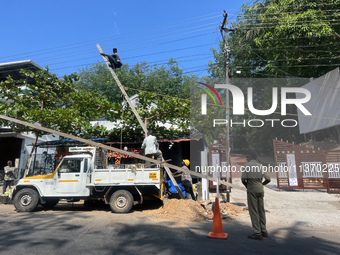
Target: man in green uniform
{"x":252,"y":177}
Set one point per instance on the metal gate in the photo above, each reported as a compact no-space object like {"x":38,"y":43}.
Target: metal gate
{"x":299,"y":167}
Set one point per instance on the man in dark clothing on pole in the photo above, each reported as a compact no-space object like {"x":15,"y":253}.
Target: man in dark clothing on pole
{"x":252,"y":177}
{"x":114,"y":59}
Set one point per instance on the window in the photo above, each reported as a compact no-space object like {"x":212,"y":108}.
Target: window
{"x":70,"y":165}
{"x":85,"y":165}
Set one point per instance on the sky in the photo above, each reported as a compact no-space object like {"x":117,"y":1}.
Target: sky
{"x":63,"y":34}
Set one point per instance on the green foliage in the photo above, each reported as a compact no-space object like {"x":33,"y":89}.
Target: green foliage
{"x":299,"y":37}
{"x":281,"y":38}
{"x":204,"y":123}
{"x":295,"y":38}
{"x":174,"y":112}
{"x":164,"y":80}
{"x":40,"y":97}
{"x":170,"y":93}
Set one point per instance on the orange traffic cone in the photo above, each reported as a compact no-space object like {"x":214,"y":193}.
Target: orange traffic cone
{"x":217,"y":231}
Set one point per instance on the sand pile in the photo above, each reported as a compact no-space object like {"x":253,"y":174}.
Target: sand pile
{"x":230,"y":209}
{"x":189,"y":210}
{"x":179,"y":210}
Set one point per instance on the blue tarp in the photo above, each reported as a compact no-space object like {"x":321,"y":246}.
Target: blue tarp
{"x":172,"y":188}
{"x":69,"y":142}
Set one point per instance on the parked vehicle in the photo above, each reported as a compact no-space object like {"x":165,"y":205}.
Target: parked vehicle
{"x":80,"y":177}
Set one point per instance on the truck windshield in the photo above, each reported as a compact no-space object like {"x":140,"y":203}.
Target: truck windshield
{"x":42,"y":164}
{"x":71,"y":165}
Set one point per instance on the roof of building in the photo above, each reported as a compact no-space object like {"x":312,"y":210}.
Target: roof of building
{"x":68,"y":142}
{"x":13,"y":69}
{"x":71,"y":142}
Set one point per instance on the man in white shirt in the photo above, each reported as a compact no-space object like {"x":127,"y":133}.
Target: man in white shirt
{"x":151,"y":147}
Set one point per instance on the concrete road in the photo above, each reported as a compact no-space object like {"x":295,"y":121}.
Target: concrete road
{"x":73,"y":229}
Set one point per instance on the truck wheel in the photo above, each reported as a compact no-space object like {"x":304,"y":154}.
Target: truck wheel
{"x":121,"y":201}
{"x":50,"y":203}
{"x":26,"y":200}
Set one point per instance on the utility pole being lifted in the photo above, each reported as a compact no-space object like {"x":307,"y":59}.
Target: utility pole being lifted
{"x":224,"y":27}
{"x":143,"y":125}
{"x":124,"y":92}
{"x":100,"y":145}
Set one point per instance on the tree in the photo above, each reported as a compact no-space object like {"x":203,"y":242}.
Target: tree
{"x":299,"y":36}
{"x":204,"y":124}
{"x":174,"y":112}
{"x":40,"y":97}
{"x":164,"y":80}
{"x":295,"y":38}
{"x":164,"y":86}
{"x":273,"y":39}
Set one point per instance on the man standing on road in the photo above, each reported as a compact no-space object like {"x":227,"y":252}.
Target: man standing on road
{"x":114,"y":59}
{"x":9,"y":176}
{"x":252,"y":177}
{"x":151,"y":147}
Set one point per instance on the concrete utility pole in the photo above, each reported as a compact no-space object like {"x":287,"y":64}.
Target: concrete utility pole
{"x":124,"y":93}
{"x":224,"y":28}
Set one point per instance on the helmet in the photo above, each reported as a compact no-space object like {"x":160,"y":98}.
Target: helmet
{"x":186,"y":162}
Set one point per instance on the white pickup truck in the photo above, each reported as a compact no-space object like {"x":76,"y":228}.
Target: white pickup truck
{"x":76,"y":178}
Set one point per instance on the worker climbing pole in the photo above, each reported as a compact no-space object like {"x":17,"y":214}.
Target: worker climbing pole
{"x":110,"y":65}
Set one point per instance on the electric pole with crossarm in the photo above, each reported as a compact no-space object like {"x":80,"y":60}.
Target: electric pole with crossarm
{"x":224,"y":27}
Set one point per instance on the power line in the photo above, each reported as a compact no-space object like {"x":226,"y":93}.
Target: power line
{"x":289,"y":27}
{"x":300,"y":46}
{"x":290,"y":66}
{"x":135,"y":56}
{"x":124,"y":43}
{"x":304,"y":59}
{"x":142,"y":48}
{"x":288,"y":6}
{"x":262,"y":17}
{"x":288,"y":22}
{"x":156,"y":53}
{"x":131,"y":57}
{"x":132,"y":35}
{"x":167,"y":42}
{"x":288,"y":38}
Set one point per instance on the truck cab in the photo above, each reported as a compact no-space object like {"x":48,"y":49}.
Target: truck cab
{"x":72,"y":175}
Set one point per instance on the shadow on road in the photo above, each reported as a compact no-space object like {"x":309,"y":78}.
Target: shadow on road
{"x":64,"y":206}
{"x":69,"y":229}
